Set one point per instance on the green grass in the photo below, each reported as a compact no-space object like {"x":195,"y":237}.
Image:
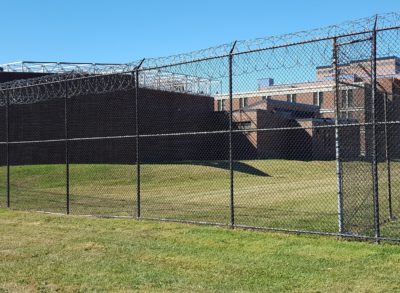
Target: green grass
{"x":50,"y":253}
{"x":278,"y":193}
{"x":274,"y":193}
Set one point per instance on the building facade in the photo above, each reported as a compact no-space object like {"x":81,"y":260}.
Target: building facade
{"x":285,"y":121}
{"x":311,"y":104}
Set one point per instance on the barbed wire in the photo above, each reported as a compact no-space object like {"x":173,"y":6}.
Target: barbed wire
{"x":173,"y":73}
{"x":65,"y":67}
{"x":59,"y":85}
{"x":70,"y":84}
{"x":384,"y":21}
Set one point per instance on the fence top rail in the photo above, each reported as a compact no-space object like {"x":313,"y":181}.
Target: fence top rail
{"x":62,"y":71}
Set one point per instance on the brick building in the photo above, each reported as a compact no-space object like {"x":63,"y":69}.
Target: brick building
{"x":312,"y":104}
{"x":297,"y":108}
{"x":166,"y":110}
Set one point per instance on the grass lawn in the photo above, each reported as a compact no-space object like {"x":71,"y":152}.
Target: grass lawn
{"x":274,"y":193}
{"x":49,"y":253}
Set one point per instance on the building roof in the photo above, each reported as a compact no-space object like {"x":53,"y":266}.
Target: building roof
{"x":361,"y":60}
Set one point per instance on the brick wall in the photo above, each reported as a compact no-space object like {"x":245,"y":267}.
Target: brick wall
{"x":10,"y":76}
{"x":114,"y":115}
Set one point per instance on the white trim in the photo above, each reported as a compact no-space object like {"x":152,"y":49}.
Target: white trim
{"x":279,"y":90}
{"x":326,"y":110}
{"x":331,"y":110}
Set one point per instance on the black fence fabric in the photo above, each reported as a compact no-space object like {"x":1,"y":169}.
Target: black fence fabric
{"x":300,"y":137}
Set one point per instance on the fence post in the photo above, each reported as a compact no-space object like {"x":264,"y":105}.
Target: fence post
{"x":387,"y":155}
{"x":339,"y":171}
{"x":232,"y":202}
{"x":136,"y":78}
{"x":8,"y":145}
{"x":374,"y":150}
{"x":66,"y":142}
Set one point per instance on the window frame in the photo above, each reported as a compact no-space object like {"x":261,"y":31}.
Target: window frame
{"x":221,"y":105}
{"x":291,"y":98}
{"x":347,"y":97}
{"x":243,"y":102}
{"x":318,"y":98}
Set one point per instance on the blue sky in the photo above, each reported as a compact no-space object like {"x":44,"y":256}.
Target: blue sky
{"x":123,"y":30}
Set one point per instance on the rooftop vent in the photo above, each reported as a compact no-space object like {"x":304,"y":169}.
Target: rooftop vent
{"x":264,"y":83}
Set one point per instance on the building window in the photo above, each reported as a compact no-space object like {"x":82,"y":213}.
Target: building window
{"x":350,"y":98}
{"x":291,"y":98}
{"x":318,"y":98}
{"x":347,"y":98}
{"x":244,"y":125}
{"x":350,"y":115}
{"x":343,"y":99}
{"x":243,"y":102}
{"x":221,"y":105}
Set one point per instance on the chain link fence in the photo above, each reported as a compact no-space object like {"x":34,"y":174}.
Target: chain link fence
{"x":296,"y":133}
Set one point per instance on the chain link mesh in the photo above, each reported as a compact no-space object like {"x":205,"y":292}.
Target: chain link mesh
{"x":276,"y":133}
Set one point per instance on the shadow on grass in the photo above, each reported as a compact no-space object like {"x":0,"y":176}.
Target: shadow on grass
{"x":237,"y":166}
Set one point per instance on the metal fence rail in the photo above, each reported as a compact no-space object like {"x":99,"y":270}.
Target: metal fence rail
{"x":295,"y":133}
